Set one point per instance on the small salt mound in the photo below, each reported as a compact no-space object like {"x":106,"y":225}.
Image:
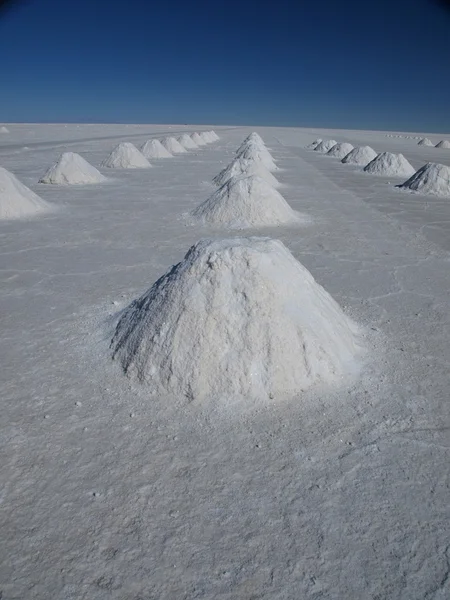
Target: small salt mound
{"x":240,"y":167}
{"x":340,"y":150}
{"x":425,"y":142}
{"x":312,"y":145}
{"x":236,"y":318}
{"x":16,"y":200}
{"x":362,"y":155}
{"x":246,"y":202}
{"x":432,"y":178}
{"x":392,"y":165}
{"x":324,"y":146}
{"x":173,"y":145}
{"x":198,"y":139}
{"x":72,"y":169}
{"x":187,"y":142}
{"x":443,"y":144}
{"x":154,"y":149}
{"x":258,"y":153}
{"x":126,"y":156}
{"x":4,"y":129}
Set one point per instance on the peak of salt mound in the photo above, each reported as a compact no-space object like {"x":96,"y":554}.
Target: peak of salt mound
{"x":244,"y":202}
{"x":340,"y":150}
{"x":126,"y":156}
{"x":324,"y":146}
{"x":4,"y":129}
{"x":253,"y":151}
{"x":154,"y":149}
{"x":187,"y":142}
{"x":197,"y":138}
{"x":17,"y":200}
{"x":443,"y":144}
{"x":425,"y":142}
{"x":241,"y":167}
{"x":173,"y":145}
{"x":236,"y":318}
{"x":432,"y":178}
{"x":72,"y":169}
{"x":313,"y":144}
{"x":392,"y":165}
{"x":362,"y":155}
{"x":254,"y":137}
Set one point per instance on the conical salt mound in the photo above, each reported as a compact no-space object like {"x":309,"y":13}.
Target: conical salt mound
{"x":126,"y":156}
{"x":432,"y":178}
{"x":240,"y":167}
{"x":313,"y":145}
{"x":4,"y":129}
{"x":443,"y":144}
{"x":236,"y":318}
{"x":324,"y":146}
{"x":187,"y":142}
{"x":214,"y":136}
{"x":197,"y":138}
{"x":254,"y":137}
{"x":362,"y":155}
{"x":390,"y":165}
{"x":16,"y":200}
{"x":246,"y":202}
{"x":205,"y":137}
{"x":425,"y":142}
{"x":258,"y":153}
{"x":72,"y":169}
{"x":340,"y":150}
{"x":154,"y":149}
{"x":173,"y":145}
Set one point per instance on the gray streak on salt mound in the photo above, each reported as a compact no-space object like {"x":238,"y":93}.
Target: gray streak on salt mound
{"x":340,"y":150}
{"x":16,"y":200}
{"x":72,"y":169}
{"x":241,"y":167}
{"x":390,"y":165}
{"x":432,"y":178}
{"x":236,"y":318}
{"x":126,"y":156}
{"x":325,"y":146}
{"x":362,"y":155}
{"x":312,"y":145}
{"x":154,"y":149}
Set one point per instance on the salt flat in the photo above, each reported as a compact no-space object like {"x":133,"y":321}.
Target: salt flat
{"x":109,"y":493}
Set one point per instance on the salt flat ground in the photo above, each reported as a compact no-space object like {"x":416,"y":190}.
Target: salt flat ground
{"x":110,"y":494}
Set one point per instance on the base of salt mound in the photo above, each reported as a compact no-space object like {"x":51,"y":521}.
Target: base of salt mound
{"x":16,"y":200}
{"x":361,"y":156}
{"x":432,"y":178}
{"x":325,"y":146}
{"x":154,"y":149}
{"x":340,"y":150}
{"x":425,"y":142}
{"x":126,"y":156}
{"x":240,"y":167}
{"x":443,"y":144}
{"x":72,"y":169}
{"x":187,"y":142}
{"x":197,"y":138}
{"x":244,"y":202}
{"x":257,"y":153}
{"x":387,"y":164}
{"x":312,"y":145}
{"x":237,"y":318}
{"x":173,"y":145}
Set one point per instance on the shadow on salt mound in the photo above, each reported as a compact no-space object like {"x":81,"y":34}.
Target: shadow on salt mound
{"x":388,"y":164}
{"x":432,"y":178}
{"x":241,"y":167}
{"x":325,"y":146}
{"x":340,"y":150}
{"x":244,"y":202}
{"x":425,"y":142}
{"x":17,"y":201}
{"x":197,"y":138}
{"x":361,"y":156}
{"x":187,"y":142}
{"x":154,"y":149}
{"x":72,"y":169}
{"x":443,"y":144}
{"x":236,"y":319}
{"x":313,"y":145}
{"x":173,"y":145}
{"x":126,"y":156}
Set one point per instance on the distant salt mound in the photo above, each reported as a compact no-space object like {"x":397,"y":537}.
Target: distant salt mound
{"x":425,"y":142}
{"x":312,"y":145}
{"x":72,"y":169}
{"x":187,"y":142}
{"x":4,"y":129}
{"x":16,"y":200}
{"x":325,"y":146}
{"x":205,"y":135}
{"x":390,"y":165}
{"x":340,"y":150}
{"x":258,"y":153}
{"x":214,"y":136}
{"x":154,"y":149}
{"x":126,"y":156}
{"x":173,"y":145}
{"x":198,"y":139}
{"x":241,"y":167}
{"x":443,"y":144}
{"x":432,"y":178}
{"x":223,"y":325}
{"x":244,"y":202}
{"x":362,"y":155}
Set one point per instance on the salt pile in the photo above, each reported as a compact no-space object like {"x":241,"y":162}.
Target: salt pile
{"x":206,"y":137}
{"x":187,"y":142}
{"x":214,"y":136}
{"x":173,"y":145}
{"x":443,"y":144}
{"x":244,"y":202}
{"x":312,"y":145}
{"x":240,"y":167}
{"x":392,"y":165}
{"x":72,"y":169}
{"x":198,"y":139}
{"x":224,"y":324}
{"x":340,"y":150}
{"x":362,"y":155}
{"x":4,"y":129}
{"x":425,"y":142}
{"x":258,"y":153}
{"x":324,"y":146}
{"x":16,"y":200}
{"x":432,"y":178}
{"x":126,"y":156}
{"x":154,"y":149}
{"x":254,"y":137}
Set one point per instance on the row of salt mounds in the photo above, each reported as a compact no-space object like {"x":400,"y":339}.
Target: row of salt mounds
{"x":244,"y":202}
{"x":313,"y":145}
{"x":258,"y":152}
{"x":173,"y":145}
{"x":197,"y":138}
{"x":154,"y":149}
{"x":443,"y":144}
{"x":16,"y":200}
{"x":223,"y":324}
{"x":72,"y":169}
{"x":187,"y":142}
{"x":241,"y":167}
{"x":388,"y":164}
{"x":340,"y":150}
{"x":325,"y":146}
{"x":126,"y":156}
{"x":4,"y":129}
{"x":362,"y":155}
{"x":425,"y":142}
{"x":432,"y":178}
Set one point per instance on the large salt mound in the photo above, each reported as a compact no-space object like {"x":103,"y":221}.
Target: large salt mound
{"x":362,"y":155}
{"x":16,"y":200}
{"x":126,"y":156}
{"x":340,"y":150}
{"x":244,"y":202}
{"x":173,"y":145}
{"x":4,"y":129}
{"x":236,"y":318}
{"x":392,"y":165}
{"x":154,"y":149}
{"x":240,"y":167}
{"x":432,"y":178}
{"x":72,"y":169}
{"x":443,"y":144}
{"x":324,"y":146}
{"x":312,"y":145}
{"x":425,"y":142}
{"x":187,"y":142}
{"x":258,"y":153}
{"x":197,"y":138}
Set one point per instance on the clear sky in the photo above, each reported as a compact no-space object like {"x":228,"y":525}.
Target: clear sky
{"x":319,"y":63}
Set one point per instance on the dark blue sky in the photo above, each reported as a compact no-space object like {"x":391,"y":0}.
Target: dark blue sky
{"x":322,"y":63}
